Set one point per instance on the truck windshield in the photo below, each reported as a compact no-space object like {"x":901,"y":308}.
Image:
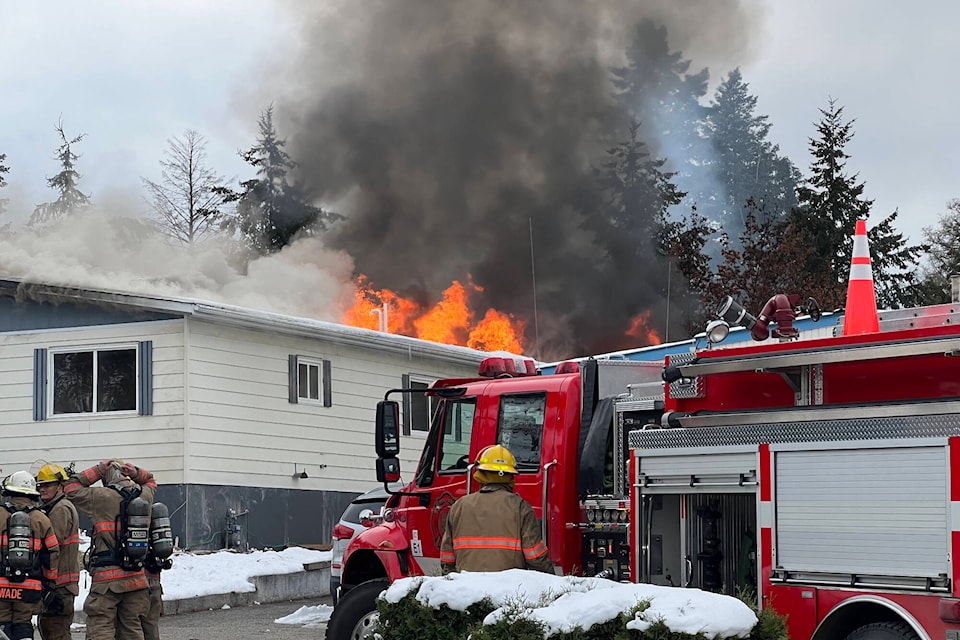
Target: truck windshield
{"x":520,"y":428}
{"x":449,"y":439}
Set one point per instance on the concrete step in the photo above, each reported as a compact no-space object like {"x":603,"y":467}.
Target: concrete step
{"x":312,"y":582}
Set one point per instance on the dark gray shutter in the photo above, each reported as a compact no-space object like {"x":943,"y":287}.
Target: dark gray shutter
{"x":145,"y":391}
{"x":327,"y":386}
{"x":405,"y":383}
{"x":292,"y":382}
{"x":39,"y":384}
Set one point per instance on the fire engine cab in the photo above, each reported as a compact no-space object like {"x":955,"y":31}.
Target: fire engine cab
{"x":820,"y":475}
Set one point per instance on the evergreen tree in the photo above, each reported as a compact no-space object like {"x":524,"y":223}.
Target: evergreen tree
{"x":943,"y":257}
{"x":830,"y":203}
{"x":272,"y":210}
{"x":187,"y":200}
{"x":70,"y":199}
{"x":686,"y":243}
{"x":751,"y":171}
{"x":657,"y":88}
{"x":633,"y":223}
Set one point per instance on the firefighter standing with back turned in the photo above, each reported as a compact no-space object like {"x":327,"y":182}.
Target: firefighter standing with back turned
{"x":57,"y":615}
{"x":120,"y":512}
{"x":493,"y":529}
{"x":30,"y":555}
{"x":158,"y":559}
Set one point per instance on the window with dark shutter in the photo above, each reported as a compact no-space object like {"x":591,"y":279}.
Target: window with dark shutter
{"x":310,"y":381}
{"x":106,"y":379}
{"x":417,"y":407}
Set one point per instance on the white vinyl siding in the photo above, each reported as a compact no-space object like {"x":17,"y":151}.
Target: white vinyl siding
{"x":153,"y":441}
{"x":877,"y":511}
{"x":245,"y":431}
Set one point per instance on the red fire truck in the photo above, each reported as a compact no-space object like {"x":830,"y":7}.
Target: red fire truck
{"x":816,"y":474}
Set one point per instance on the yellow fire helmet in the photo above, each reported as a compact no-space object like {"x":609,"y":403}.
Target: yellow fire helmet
{"x":51,"y":473}
{"x":497,"y":458}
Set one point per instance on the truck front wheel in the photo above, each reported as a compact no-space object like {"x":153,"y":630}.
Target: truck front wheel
{"x":883,"y":631}
{"x":355,"y":615}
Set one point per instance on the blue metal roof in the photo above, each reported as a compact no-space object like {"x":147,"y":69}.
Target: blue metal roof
{"x":657,"y":353}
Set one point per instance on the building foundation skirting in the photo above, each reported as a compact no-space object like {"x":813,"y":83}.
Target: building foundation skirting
{"x":211,"y":517}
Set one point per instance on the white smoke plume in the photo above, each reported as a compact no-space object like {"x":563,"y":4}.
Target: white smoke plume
{"x":103,"y":251}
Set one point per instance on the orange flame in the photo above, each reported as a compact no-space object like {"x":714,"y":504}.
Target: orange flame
{"x":641,"y":330}
{"x":450,"y":321}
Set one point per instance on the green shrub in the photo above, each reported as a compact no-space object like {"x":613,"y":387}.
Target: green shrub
{"x":409,"y":619}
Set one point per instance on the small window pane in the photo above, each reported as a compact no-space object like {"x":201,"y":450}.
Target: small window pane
{"x":520,"y":428}
{"x":117,"y":380}
{"x":314,"y":382}
{"x":308,"y":381}
{"x":302,"y":379}
{"x":73,"y":382}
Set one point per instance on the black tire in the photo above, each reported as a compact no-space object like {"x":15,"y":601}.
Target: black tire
{"x":355,"y":615}
{"x":884,"y":631}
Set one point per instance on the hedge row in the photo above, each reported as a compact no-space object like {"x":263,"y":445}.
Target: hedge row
{"x":409,"y":618}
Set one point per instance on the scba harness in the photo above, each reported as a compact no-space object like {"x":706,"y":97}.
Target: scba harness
{"x":20,"y":560}
{"x":131,"y":533}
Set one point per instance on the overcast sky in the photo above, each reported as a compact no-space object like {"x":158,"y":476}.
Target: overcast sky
{"x":130,"y":74}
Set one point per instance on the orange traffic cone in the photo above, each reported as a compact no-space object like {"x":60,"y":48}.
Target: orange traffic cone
{"x":860,"y":315}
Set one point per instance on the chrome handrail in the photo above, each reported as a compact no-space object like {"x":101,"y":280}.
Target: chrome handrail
{"x":543,"y":512}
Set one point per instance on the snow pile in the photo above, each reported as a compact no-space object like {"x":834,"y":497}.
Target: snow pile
{"x":206,"y":574}
{"x":563,"y":603}
{"x":308,"y":617}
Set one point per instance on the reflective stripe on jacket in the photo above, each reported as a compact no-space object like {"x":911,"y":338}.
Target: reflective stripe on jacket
{"x":102,"y":506}
{"x":66,"y":524}
{"x":493,"y":530}
{"x":43,"y":544}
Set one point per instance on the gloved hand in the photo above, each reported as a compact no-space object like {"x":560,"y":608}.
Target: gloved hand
{"x":104,"y":465}
{"x":130,"y":470}
{"x":52,"y":602}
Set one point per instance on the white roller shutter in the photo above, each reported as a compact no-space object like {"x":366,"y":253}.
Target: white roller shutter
{"x":878,"y":511}
{"x":721,"y":471}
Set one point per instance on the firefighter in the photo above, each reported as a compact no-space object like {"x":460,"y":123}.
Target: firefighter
{"x":158,"y":559}
{"x":57,"y":615}
{"x":120,"y":513}
{"x":30,"y":553}
{"x":493,"y":529}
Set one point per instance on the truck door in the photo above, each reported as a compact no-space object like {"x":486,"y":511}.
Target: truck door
{"x":521,"y":428}
{"x":441,"y":477}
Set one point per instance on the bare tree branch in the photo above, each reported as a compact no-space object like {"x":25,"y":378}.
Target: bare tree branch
{"x":186,"y":201}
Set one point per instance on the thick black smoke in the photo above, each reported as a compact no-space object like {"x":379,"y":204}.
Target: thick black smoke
{"x":445,"y":129}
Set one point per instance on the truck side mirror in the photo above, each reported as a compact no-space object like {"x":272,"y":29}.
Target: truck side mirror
{"x":388,"y":429}
{"x":388,"y":470}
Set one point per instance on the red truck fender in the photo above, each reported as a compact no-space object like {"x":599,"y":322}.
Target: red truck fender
{"x":382,"y":551}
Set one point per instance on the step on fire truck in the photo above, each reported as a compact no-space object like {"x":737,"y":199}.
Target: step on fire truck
{"x":821,"y":476}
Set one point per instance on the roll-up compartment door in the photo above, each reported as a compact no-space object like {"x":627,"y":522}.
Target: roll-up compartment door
{"x":712,"y":472}
{"x":878,"y":511}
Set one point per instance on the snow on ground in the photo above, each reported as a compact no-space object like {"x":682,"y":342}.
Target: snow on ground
{"x":204,"y":574}
{"x":562,"y":603}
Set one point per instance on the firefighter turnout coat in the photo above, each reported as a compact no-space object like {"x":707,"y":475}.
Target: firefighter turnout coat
{"x":102,"y":506}
{"x":45,"y":547}
{"x":493,"y":529}
{"x":66,"y":524}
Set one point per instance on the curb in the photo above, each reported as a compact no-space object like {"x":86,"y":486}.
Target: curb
{"x":312,"y":582}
